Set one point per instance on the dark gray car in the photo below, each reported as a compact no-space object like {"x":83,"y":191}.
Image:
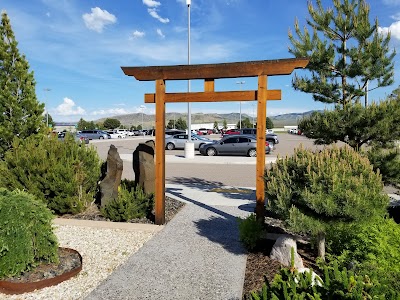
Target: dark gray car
{"x":233,"y":145}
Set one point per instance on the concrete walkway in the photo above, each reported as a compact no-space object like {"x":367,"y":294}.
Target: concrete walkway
{"x":195,"y":256}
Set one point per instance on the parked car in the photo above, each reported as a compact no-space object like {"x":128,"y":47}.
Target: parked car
{"x":78,"y":137}
{"x":178,"y":141}
{"x":231,"y":131}
{"x":204,"y":131}
{"x":123,"y":131}
{"x":233,"y":145}
{"x":135,"y":132}
{"x":116,"y":135}
{"x":174,"y":131}
{"x":271,"y":138}
{"x":95,"y":134}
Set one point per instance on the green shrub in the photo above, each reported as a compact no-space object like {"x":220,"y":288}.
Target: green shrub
{"x":336,"y":285}
{"x":313,"y":192}
{"x":372,"y":250}
{"x":250,"y":230}
{"x":62,"y":174}
{"x":388,"y":163}
{"x":26,"y":234}
{"x":131,"y":204}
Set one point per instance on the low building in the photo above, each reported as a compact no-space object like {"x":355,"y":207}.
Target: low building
{"x":65,"y":126}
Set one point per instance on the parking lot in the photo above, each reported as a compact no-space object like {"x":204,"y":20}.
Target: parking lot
{"x":214,"y":171}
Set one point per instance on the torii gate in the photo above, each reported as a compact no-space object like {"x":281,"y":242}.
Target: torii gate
{"x":210,"y":72}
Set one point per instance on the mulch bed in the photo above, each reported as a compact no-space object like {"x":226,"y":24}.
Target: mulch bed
{"x":260,"y":267}
{"x":68,"y":261}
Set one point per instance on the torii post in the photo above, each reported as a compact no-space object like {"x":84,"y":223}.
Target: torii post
{"x":209,"y":72}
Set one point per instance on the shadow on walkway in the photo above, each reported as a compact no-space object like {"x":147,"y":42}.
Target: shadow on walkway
{"x":221,"y":228}
{"x":216,"y":187}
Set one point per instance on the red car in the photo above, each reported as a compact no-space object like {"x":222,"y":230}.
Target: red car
{"x":231,"y":131}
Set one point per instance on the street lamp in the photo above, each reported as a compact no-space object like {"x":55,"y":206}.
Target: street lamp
{"x":189,"y":145}
{"x":47,"y":110}
{"x":253,"y":112}
{"x":142,"y":107}
{"x":188,"y":3}
{"x":240,"y":104}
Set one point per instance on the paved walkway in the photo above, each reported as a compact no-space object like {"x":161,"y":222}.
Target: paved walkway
{"x":195,"y":256}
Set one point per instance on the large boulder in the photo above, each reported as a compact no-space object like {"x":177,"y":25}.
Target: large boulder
{"x":144,"y":166}
{"x":281,"y":251}
{"x":109,"y":185}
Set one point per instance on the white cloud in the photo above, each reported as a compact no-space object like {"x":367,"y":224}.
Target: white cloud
{"x":160,"y":33}
{"x":68,"y":107}
{"x":394,"y":30}
{"x":98,"y":19}
{"x":151,"y":3}
{"x":110,"y":112}
{"x":138,"y":34}
{"x":396,"y":17}
{"x":154,"y":14}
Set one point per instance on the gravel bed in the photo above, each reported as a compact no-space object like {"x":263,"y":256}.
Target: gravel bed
{"x":102,"y":250}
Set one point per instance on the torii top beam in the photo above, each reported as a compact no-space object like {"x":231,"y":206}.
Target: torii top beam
{"x":215,"y":71}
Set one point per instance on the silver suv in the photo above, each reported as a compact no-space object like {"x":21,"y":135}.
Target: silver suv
{"x":95,"y":134}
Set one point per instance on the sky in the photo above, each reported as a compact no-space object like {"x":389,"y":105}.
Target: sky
{"x":76,"y":49}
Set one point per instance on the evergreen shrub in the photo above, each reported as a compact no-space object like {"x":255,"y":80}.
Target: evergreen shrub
{"x":26,"y":233}
{"x":337,"y":284}
{"x":372,"y":250}
{"x":313,"y":192}
{"x":388,"y":163}
{"x":62,"y":174}
{"x":250,"y":231}
{"x":132,"y":203}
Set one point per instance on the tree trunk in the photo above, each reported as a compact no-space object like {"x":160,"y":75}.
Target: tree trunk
{"x":321,"y":245}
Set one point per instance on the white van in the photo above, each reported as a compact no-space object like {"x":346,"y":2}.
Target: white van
{"x":122,"y":131}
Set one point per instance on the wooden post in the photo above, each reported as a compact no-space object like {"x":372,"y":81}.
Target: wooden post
{"x":260,"y":167}
{"x":160,"y":153}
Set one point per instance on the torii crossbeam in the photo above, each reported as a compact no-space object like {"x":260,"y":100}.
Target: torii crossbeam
{"x":209,"y":72}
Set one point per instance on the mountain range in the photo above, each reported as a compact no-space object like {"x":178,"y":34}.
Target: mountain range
{"x":148,"y":121}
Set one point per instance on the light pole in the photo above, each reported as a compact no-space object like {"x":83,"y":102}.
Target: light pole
{"x":188,"y":2}
{"x":142,"y":107}
{"x":240,"y":104}
{"x":47,"y":110}
{"x":253,"y":104}
{"x":189,"y":146}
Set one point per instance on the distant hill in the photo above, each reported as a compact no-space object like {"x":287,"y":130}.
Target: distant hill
{"x":231,"y":118}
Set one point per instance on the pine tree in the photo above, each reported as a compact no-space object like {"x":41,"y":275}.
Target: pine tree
{"x":21,"y":115}
{"x":180,"y":124}
{"x":111,"y":123}
{"x":346,"y":52}
{"x":269,"y":123}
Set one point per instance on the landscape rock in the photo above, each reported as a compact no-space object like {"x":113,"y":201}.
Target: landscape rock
{"x":316,"y":280}
{"x":281,"y":251}
{"x":109,"y":185}
{"x":144,"y":166}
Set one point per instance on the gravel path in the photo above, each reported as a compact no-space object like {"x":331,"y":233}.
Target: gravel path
{"x":102,"y":250}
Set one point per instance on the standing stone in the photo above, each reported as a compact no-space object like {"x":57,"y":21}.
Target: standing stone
{"x":109,"y":185}
{"x":144,"y":167}
{"x":282,"y":249}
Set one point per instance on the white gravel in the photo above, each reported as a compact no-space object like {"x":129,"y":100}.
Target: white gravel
{"x":102,"y":250}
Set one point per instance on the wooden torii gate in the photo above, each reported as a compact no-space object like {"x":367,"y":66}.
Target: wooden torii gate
{"x":210,"y":72}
